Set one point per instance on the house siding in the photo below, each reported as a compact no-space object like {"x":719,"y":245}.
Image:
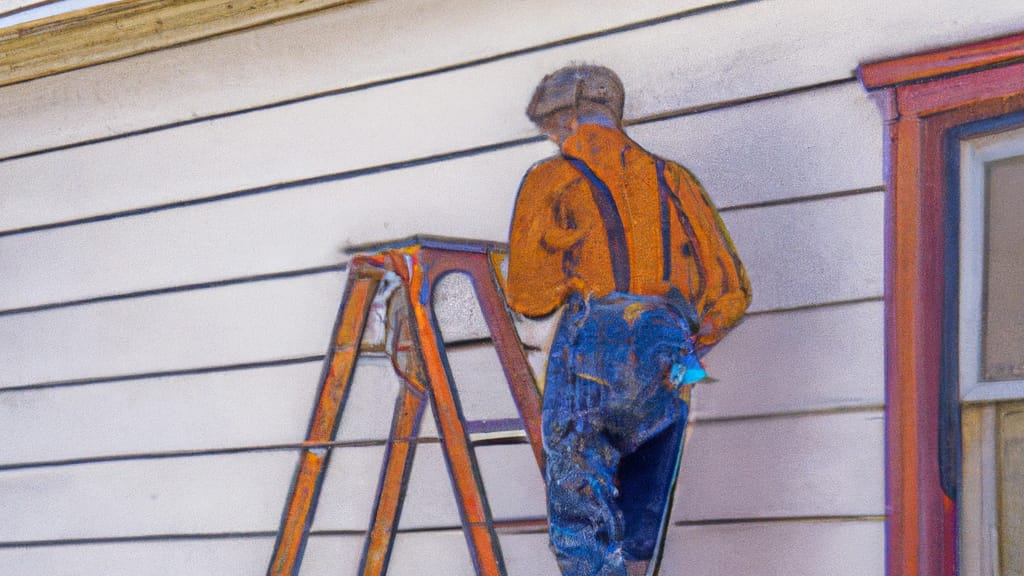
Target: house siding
{"x":172,"y":235}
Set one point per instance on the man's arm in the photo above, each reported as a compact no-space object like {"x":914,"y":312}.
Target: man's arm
{"x":537,"y":282}
{"x":727,"y":291}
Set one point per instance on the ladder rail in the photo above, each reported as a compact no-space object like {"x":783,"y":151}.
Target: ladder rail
{"x":470,"y":495}
{"x":426,"y":377}
{"x":360,"y":289}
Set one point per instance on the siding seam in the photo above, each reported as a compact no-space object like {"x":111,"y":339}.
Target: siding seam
{"x":321,"y":357}
{"x":781,"y":520}
{"x":342,"y":266}
{"x":866,"y":409}
{"x":519,"y":526}
{"x":402,"y":164}
{"x":400,"y":78}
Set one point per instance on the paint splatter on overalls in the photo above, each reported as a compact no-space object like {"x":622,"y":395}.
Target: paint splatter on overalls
{"x":615,"y":408}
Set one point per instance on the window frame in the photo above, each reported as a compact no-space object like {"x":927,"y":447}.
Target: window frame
{"x":975,"y":154}
{"x":930,"y":103}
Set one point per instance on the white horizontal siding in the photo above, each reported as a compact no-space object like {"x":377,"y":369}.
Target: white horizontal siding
{"x":329,"y":136}
{"x":194,"y":412}
{"x":830,"y":548}
{"x":429,"y":498}
{"x":326,"y":555}
{"x":797,"y":548}
{"x":742,"y":154}
{"x":444,"y":554}
{"x":791,"y":433}
{"x":816,"y":465}
{"x":440,"y":553}
{"x":802,"y":144}
{"x":797,"y":255}
{"x":780,"y":362}
{"x":812,"y":465}
{"x":719,"y":55}
{"x":347,"y":496}
{"x":345,"y":47}
{"x":251,"y":322}
{"x":201,"y":412}
{"x":514,"y":482}
{"x":221,"y":556}
{"x":801,"y":360}
{"x":483,"y":389}
{"x":208,"y":494}
{"x":809,"y":253}
{"x":351,"y":130}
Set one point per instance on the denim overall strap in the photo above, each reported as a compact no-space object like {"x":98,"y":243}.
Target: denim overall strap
{"x":613,"y":225}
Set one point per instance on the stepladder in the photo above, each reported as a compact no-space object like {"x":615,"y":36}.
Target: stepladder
{"x":388,"y":304}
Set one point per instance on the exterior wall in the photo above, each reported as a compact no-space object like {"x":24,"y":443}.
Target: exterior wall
{"x":171,"y":234}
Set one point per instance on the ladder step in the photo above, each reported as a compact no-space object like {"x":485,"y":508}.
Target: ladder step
{"x":496,"y":431}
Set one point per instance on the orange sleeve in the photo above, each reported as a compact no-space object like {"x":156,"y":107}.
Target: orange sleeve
{"x":538,"y":239}
{"x":727,"y":291}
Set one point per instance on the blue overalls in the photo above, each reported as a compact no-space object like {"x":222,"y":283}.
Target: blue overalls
{"x":613,"y":423}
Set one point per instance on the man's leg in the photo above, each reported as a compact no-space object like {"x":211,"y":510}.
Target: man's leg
{"x":580,"y":467}
{"x":646,"y":480}
{"x":586,"y":523}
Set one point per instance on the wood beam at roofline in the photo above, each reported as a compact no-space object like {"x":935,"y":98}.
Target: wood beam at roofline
{"x":114,"y":31}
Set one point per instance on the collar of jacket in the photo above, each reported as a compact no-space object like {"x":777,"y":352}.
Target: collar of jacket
{"x":602,"y":149}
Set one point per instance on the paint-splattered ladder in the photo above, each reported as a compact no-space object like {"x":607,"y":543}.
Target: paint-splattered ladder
{"x":405,"y":273}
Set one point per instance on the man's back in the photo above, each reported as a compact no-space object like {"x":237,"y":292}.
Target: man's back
{"x":669,"y":234}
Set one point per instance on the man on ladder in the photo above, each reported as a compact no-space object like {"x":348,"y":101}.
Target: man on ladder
{"x":633,"y":250}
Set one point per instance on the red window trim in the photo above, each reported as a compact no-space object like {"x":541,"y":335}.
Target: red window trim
{"x":925,"y":99}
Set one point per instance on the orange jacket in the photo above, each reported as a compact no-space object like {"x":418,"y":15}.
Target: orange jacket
{"x":560,"y":243}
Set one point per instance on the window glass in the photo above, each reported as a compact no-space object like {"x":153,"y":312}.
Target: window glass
{"x":1003,"y":326}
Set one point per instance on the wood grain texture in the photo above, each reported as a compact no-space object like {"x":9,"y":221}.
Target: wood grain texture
{"x":922,"y":529}
{"x":929,"y":65}
{"x":118,"y":30}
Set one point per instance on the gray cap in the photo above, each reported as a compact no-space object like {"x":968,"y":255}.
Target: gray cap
{"x":568,"y":86}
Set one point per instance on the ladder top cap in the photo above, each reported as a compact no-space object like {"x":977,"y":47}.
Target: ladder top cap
{"x":429,"y":241}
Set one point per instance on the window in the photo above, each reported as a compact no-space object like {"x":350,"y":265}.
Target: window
{"x":991,"y":352}
{"x":992,"y":267}
{"x":953,"y":346}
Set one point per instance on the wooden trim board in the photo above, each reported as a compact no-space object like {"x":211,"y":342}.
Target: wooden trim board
{"x":122,"y":29}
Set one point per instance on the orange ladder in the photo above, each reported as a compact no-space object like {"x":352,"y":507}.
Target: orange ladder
{"x":418,"y":355}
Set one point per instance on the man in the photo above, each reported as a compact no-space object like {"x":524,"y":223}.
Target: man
{"x":633,"y":250}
